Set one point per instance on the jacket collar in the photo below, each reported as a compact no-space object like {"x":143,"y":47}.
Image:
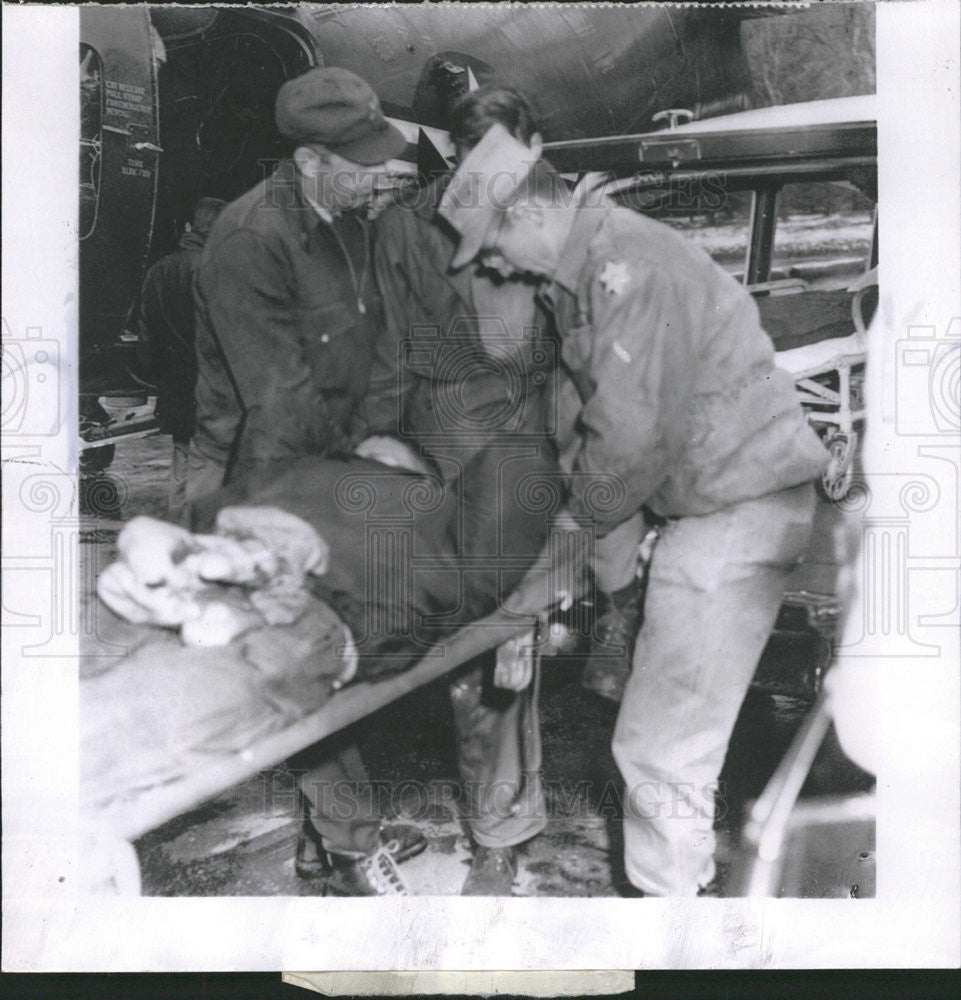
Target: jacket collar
{"x":191,"y":241}
{"x":423,"y":203}
{"x":587,"y":221}
{"x":290,"y":197}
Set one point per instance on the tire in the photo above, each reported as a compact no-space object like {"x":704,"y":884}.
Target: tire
{"x":835,"y":482}
{"x":94,"y":460}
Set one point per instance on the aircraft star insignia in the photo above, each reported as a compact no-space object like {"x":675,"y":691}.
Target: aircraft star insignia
{"x":615,"y":277}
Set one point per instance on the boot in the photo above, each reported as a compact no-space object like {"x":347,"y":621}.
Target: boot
{"x":492,"y":872}
{"x":400,"y":840}
{"x":618,"y":620}
{"x":370,"y":875}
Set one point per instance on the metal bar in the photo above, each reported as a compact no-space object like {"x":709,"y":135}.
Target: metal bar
{"x":767,"y":826}
{"x":817,"y":392}
{"x":844,"y":395}
{"x":210,"y":776}
{"x":826,"y":143}
{"x":128,"y":436}
{"x":658,"y":177}
{"x":762,"y":235}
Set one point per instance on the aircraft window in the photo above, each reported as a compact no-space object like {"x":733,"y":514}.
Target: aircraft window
{"x":91,"y":121}
{"x":823,"y":234}
{"x":717,"y":220}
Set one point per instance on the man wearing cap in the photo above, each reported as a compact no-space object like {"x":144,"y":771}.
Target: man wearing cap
{"x":287,"y":309}
{"x":286,"y":297}
{"x":678,"y":397}
{"x":460,"y":374}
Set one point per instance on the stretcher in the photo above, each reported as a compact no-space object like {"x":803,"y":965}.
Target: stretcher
{"x":110,"y":419}
{"x":829,"y":376}
{"x":121,"y":805}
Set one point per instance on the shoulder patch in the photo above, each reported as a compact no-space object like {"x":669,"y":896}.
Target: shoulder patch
{"x":615,"y":277}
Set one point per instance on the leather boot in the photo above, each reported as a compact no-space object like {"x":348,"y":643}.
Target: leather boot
{"x":618,"y":620}
{"x":374,"y":874}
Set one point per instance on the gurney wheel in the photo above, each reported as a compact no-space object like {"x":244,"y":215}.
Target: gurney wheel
{"x":835,"y":482}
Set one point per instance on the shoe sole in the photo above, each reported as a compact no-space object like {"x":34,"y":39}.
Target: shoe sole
{"x":310,"y":873}
{"x":315,"y":871}
{"x":411,"y":852}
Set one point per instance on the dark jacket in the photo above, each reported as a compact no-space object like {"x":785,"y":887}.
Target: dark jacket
{"x":286,"y":309}
{"x":679,"y":394}
{"x":462,"y":371}
{"x":462,"y":356}
{"x":166,"y":327}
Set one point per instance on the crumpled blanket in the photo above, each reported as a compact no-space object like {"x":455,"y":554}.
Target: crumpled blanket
{"x":152,"y":699}
{"x":144,"y":717}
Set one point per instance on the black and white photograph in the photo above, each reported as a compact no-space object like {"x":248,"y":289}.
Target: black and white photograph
{"x":481,"y":486}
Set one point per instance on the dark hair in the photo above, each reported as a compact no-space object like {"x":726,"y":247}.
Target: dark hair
{"x":474,"y":113}
{"x":205,"y":211}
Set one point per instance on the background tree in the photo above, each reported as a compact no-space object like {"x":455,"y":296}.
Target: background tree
{"x":823,"y":52}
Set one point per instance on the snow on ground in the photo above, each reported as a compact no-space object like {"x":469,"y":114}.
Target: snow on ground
{"x":798,"y":236}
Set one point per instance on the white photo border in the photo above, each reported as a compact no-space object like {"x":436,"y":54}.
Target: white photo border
{"x":915,"y":921}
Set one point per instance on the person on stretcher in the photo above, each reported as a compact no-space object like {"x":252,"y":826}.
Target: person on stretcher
{"x":412,"y":556}
{"x":324,"y":526}
{"x":377,"y":542}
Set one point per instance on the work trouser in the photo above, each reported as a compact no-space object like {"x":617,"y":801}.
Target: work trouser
{"x":203,"y":476}
{"x":179,"y":470}
{"x":716,"y":584}
{"x":498,"y":754}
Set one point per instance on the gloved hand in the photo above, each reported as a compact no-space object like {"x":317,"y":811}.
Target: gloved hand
{"x":515,"y":663}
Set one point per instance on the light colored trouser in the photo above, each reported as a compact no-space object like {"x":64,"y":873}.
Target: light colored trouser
{"x":716,"y":584}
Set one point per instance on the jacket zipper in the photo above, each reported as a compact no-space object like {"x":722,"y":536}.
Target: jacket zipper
{"x":358,"y":288}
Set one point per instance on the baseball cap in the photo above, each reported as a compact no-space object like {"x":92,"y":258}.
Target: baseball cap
{"x":336,"y":108}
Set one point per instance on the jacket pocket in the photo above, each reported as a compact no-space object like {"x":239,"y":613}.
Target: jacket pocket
{"x":336,"y":348}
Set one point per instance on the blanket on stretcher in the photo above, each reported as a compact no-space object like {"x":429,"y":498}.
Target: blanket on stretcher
{"x":399,"y":575}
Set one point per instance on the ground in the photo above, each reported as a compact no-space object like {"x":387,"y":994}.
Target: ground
{"x":242,"y":843}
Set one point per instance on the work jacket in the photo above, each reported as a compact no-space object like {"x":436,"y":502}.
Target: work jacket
{"x":166,"y":329}
{"x":286,"y":309}
{"x":462,"y":372}
{"x":675,"y":400}
{"x":463,"y":356}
